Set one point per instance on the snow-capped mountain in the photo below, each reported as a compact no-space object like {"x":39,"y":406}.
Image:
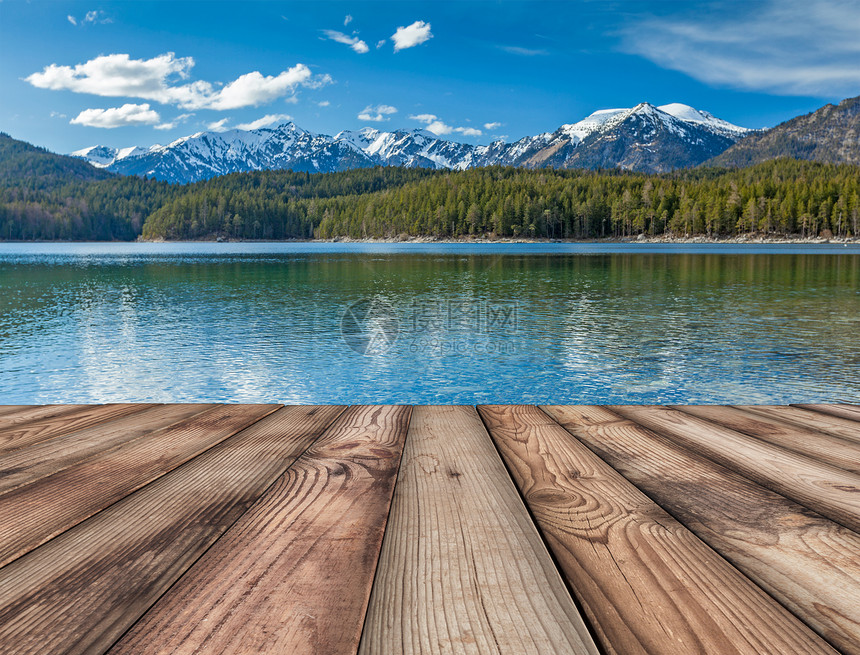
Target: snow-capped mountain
{"x":642,"y":138}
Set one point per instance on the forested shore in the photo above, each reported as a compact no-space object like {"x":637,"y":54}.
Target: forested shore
{"x":41,"y":199}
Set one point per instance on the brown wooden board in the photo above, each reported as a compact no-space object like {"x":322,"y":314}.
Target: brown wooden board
{"x":34,"y":513}
{"x":851,"y":412}
{"x":826,"y":489}
{"x":821,"y":446}
{"x":81,"y":591}
{"x":647,"y":583}
{"x":841,"y":427}
{"x":294,"y":574}
{"x":44,"y":428}
{"x":842,"y":410}
{"x":14,"y":409}
{"x":25,"y":413}
{"x":462,"y":567}
{"x":26,"y":465}
{"x":805,"y":561}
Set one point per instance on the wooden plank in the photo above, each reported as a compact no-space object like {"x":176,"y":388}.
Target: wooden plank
{"x":81,"y":591}
{"x":647,"y":584}
{"x":840,"y":427}
{"x":294,"y":574}
{"x":36,"y":412}
{"x":807,"y":562}
{"x":14,"y":409}
{"x":34,"y":513}
{"x":821,"y":446}
{"x":51,"y":426}
{"x":826,"y":489}
{"x":26,"y":465}
{"x":462,"y":567}
{"x":851,"y":412}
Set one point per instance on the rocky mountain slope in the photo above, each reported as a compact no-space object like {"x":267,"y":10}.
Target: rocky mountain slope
{"x":643,"y":138}
{"x":830,"y":134}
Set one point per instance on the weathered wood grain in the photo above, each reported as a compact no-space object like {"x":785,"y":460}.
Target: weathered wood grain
{"x":14,"y":409}
{"x":821,"y":446}
{"x":36,"y":512}
{"x":647,"y":583}
{"x":826,"y":489}
{"x":462,"y":567}
{"x":851,"y":412}
{"x":35,"y":412}
{"x":805,"y":561}
{"x":294,"y":574}
{"x":26,"y":465}
{"x":19,"y":436}
{"x":81,"y":591}
{"x":841,"y":427}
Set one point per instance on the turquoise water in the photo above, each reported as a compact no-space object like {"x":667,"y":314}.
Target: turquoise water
{"x":429,"y":323}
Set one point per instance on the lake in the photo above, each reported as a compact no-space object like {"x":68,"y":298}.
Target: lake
{"x":429,"y":323}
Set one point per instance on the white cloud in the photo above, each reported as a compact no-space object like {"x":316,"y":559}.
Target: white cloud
{"x":376,"y":114}
{"x":323,"y":103}
{"x":381,"y":43}
{"x":56,"y":114}
{"x":218,"y":126}
{"x":92,"y":17}
{"x":347,"y":20}
{"x":97,"y":17}
{"x":525,"y":52}
{"x":790,"y":47}
{"x":412,"y":35}
{"x":268,"y":119}
{"x":169,"y":125}
{"x":118,"y":75}
{"x":436,"y":126}
{"x":492,"y":126}
{"x":352,"y":41}
{"x":128,"y":114}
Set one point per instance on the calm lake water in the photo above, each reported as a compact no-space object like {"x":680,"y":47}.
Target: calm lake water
{"x":360,"y":323}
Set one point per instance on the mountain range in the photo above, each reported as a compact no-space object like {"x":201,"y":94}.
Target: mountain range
{"x":642,"y":138}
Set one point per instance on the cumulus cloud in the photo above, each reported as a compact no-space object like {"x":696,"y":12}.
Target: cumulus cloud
{"x":323,"y":103}
{"x":268,"y":119}
{"x":439,"y":128}
{"x":492,"y":126}
{"x":72,"y":19}
{"x":128,"y":114}
{"x":381,"y":43}
{"x":376,"y":114}
{"x":790,"y":47}
{"x":119,"y":75}
{"x":347,"y":20}
{"x":353,"y":42}
{"x":411,"y":35}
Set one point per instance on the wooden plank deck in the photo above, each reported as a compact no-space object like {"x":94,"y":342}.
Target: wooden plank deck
{"x":387,"y":529}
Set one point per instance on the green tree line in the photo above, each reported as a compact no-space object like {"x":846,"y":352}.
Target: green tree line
{"x":778,"y":197}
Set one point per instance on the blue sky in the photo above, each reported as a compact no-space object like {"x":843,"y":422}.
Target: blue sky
{"x":74,"y":74}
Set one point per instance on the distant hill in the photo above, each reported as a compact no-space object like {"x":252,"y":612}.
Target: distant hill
{"x":22,"y":162}
{"x":830,"y":134}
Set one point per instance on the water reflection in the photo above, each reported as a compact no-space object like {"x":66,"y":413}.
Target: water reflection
{"x":512,"y":325}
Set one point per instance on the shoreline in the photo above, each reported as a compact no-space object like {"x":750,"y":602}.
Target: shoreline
{"x":756,"y":239}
